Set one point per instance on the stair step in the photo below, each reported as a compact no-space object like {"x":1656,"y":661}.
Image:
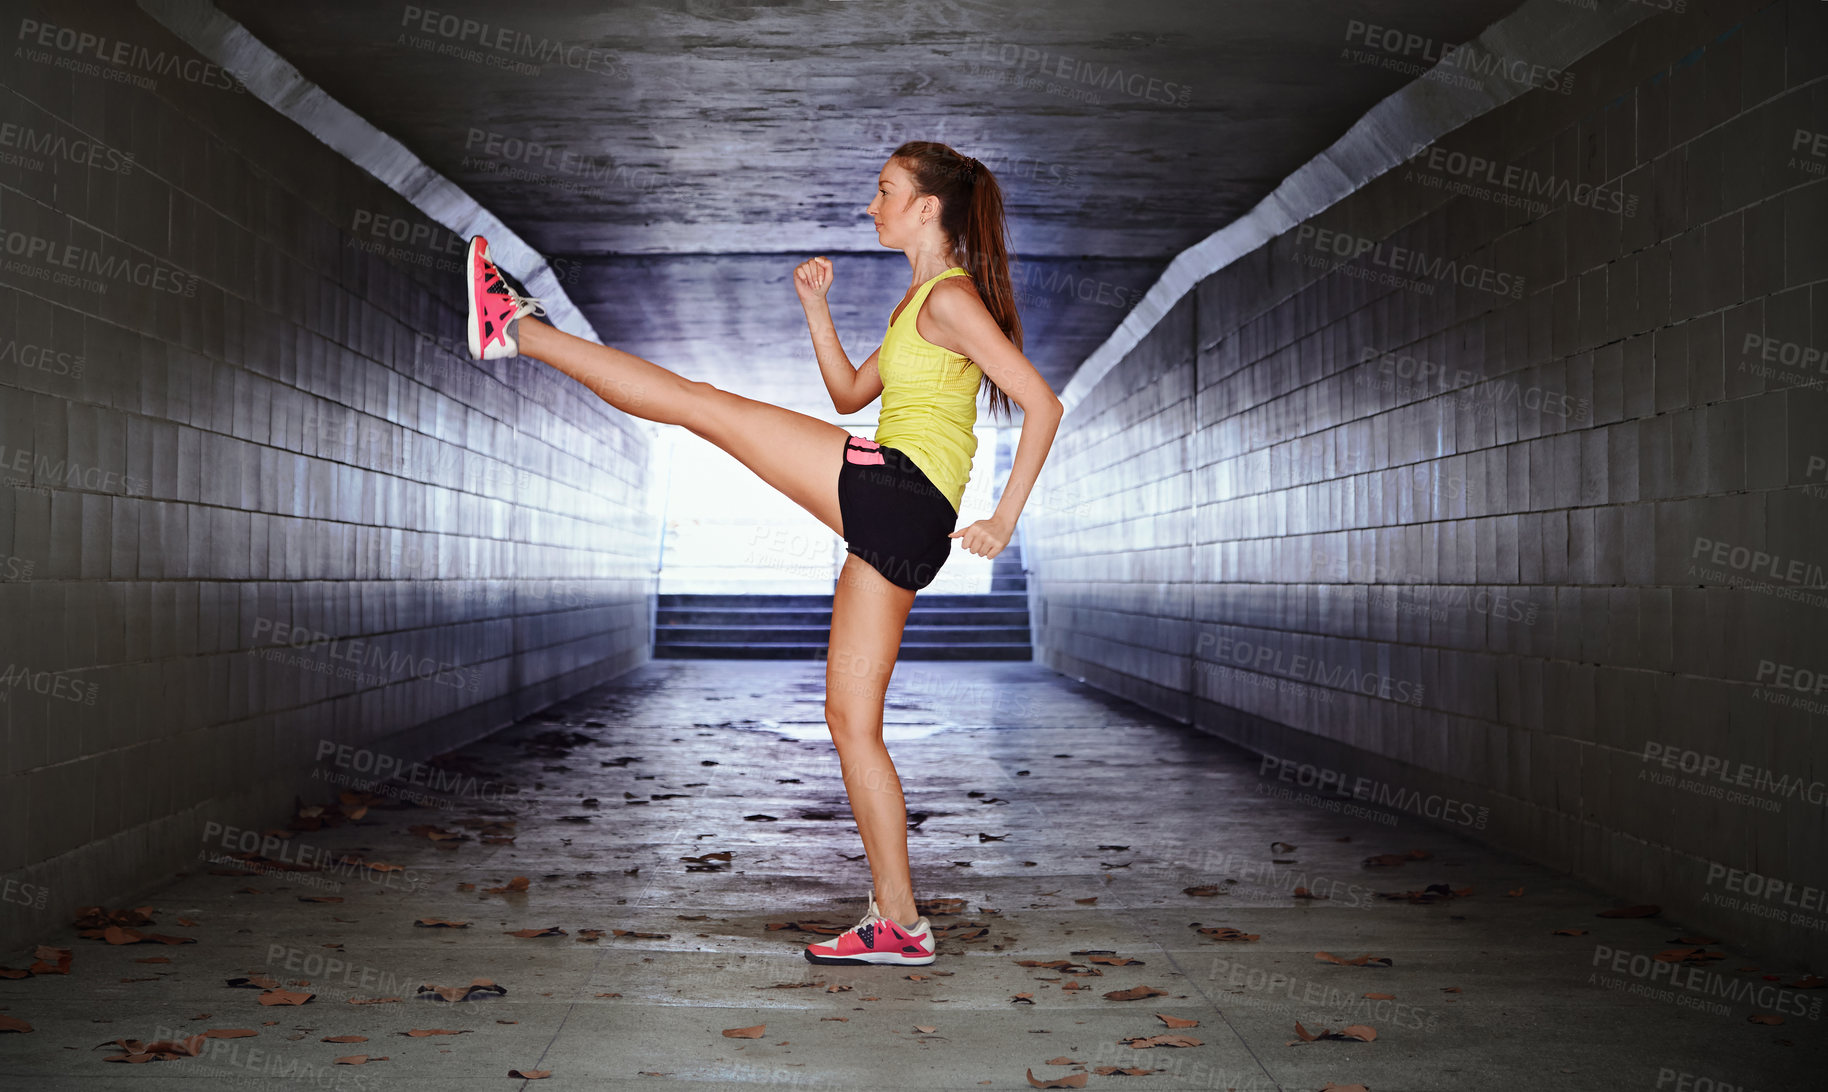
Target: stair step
{"x":734,"y":626}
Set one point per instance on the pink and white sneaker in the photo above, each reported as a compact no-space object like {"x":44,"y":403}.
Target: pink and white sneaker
{"x":878,"y":940}
{"x":497,"y":301}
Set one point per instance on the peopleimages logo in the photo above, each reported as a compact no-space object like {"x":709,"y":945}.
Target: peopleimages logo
{"x":1433,"y":805}
{"x":126,"y":56}
{"x":1744,"y":559}
{"x":1768,"y":897}
{"x":1694,"y":986}
{"x":69,"y":256}
{"x":1414,"y":49}
{"x":1402,"y":259}
{"x":1522,"y":181}
{"x":509,"y":43}
{"x":82,"y":152}
{"x":1269,"y":660}
{"x":1073,"y":71}
{"x":1730,"y":777}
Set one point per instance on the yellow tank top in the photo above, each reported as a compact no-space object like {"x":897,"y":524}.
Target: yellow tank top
{"x":929,"y":399}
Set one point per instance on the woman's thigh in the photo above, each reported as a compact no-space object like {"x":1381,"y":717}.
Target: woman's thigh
{"x":796,"y":454}
{"x":868,"y":615}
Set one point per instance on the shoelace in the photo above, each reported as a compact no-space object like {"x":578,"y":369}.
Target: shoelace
{"x":537,"y":304}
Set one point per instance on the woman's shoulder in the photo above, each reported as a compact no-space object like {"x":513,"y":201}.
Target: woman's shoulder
{"x":953,"y":295}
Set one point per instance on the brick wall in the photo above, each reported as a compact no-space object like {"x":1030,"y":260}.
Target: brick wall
{"x":1542,"y":534}
{"x":247,"y":422}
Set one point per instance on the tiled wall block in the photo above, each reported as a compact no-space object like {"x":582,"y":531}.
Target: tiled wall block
{"x":1549,"y":539}
{"x":254,"y":497}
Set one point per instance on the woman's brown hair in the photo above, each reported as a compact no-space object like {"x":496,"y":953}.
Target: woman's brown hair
{"x":971,"y":215}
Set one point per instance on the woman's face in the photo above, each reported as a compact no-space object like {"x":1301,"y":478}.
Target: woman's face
{"x":895,"y":210}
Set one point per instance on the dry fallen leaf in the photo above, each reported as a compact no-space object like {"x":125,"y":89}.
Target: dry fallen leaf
{"x":478,"y":988}
{"x":49,"y":960}
{"x":1360,"y":1032}
{"x":1764,"y":1018}
{"x":1380,"y":996}
{"x":1176,"y":1022}
{"x":530,"y":1074}
{"x":344,"y":1039}
{"x":528,"y":934}
{"x":420,"y":1033}
{"x":285,"y":997}
{"x":1569,"y":933}
{"x":441,"y":923}
{"x":927,"y":1029}
{"x":1203,"y":890}
{"x":754,"y":1031}
{"x":1225,"y":932}
{"x":1357,"y":961}
{"x":358,"y":1059}
{"x":1143,"y":1042}
{"x":1513,"y":893}
{"x":1433,"y":893}
{"x":1073,"y":1080}
{"x":1687,"y":955}
{"x":13,"y":1023}
{"x":1135,"y":993}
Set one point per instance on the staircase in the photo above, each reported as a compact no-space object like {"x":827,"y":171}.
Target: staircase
{"x":798,"y":627}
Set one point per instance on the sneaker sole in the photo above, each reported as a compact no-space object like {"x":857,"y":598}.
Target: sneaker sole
{"x":470,"y":260}
{"x":885,"y":959}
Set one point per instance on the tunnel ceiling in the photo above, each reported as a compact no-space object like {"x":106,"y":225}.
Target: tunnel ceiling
{"x":690,"y":153}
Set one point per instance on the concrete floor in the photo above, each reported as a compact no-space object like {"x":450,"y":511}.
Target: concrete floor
{"x":1088,"y":799}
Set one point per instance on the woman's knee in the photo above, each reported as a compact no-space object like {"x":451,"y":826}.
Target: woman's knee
{"x":849,"y":724}
{"x":699,"y":408}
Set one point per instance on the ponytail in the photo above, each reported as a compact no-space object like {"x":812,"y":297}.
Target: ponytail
{"x":971,"y":215}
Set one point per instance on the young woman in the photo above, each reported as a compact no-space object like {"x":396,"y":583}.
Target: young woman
{"x":893,"y":499}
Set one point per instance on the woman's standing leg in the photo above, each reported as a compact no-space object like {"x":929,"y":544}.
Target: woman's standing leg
{"x":867,"y":617}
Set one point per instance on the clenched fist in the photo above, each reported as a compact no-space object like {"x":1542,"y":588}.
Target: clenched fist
{"x":811,"y":279}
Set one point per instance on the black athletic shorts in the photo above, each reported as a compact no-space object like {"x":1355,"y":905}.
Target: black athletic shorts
{"x":894,"y":517}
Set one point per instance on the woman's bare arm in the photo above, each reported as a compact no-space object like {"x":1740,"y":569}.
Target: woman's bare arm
{"x":957,"y":320}
{"x":851,"y":388}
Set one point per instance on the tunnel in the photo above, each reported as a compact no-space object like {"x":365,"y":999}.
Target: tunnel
{"x":1381,"y":647}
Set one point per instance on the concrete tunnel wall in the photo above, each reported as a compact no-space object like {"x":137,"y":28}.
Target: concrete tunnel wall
{"x":1500,"y":556}
{"x":251,"y":423}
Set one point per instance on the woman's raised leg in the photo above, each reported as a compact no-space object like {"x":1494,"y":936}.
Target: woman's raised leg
{"x":796,"y":454}
{"x":867,"y":617}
